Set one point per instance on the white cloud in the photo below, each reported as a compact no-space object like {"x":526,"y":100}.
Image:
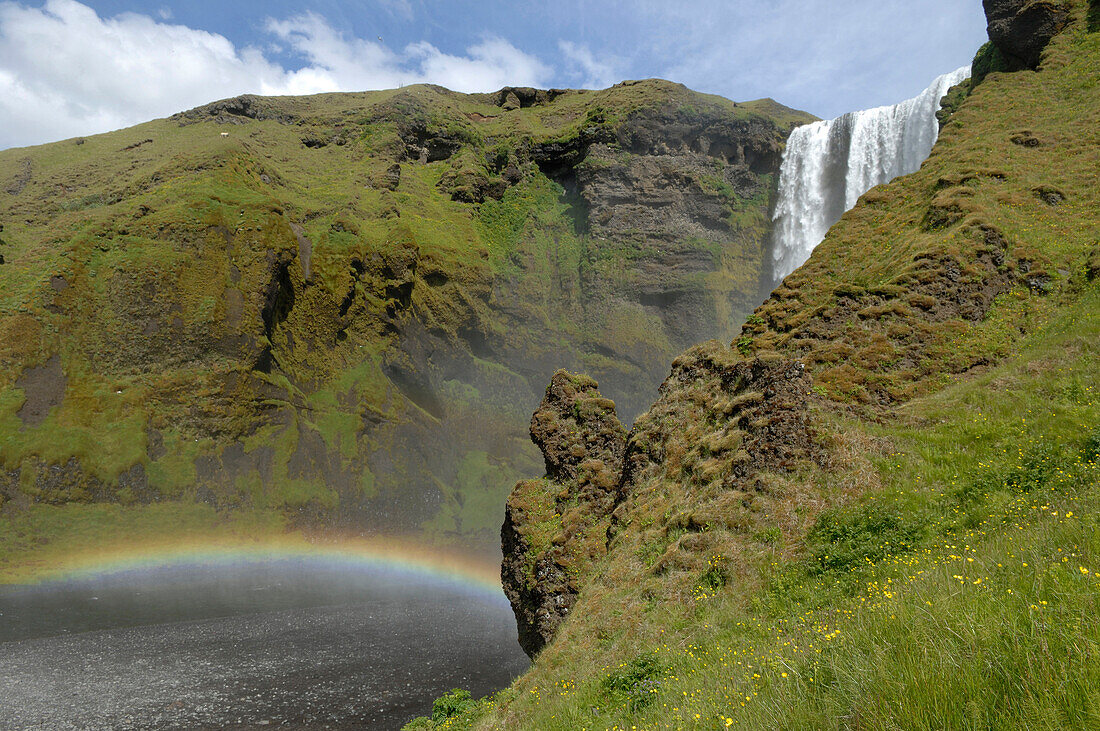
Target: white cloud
{"x":64,"y":71}
{"x":491,"y":64}
{"x":334,"y":62}
{"x":583,"y":66}
{"x":340,"y":63}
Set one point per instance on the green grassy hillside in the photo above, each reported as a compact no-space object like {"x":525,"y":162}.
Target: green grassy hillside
{"x":943,"y":575}
{"x":341,"y":308}
{"x":878,"y":508}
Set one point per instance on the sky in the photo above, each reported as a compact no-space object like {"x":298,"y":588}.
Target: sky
{"x":71,"y":68}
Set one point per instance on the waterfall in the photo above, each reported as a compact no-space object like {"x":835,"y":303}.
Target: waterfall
{"x":827,"y":166}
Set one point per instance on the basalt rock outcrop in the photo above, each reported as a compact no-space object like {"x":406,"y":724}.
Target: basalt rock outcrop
{"x":721,"y":419}
{"x":879,"y":346}
{"x":554,"y":528}
{"x":719,"y":423}
{"x":1021,"y":29}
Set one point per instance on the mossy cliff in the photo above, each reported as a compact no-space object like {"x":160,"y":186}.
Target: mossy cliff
{"x":342,"y":307}
{"x":878,"y":505}
{"x":582,"y":442}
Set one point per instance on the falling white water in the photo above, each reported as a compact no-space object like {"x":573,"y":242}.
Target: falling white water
{"x":828,"y":165}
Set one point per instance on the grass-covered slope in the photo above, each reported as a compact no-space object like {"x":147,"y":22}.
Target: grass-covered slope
{"x":945,"y":574}
{"x":341,"y":307}
{"x":904,"y":532}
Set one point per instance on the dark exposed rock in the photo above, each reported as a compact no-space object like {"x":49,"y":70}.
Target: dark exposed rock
{"x":657,"y":184}
{"x":1051,"y":196}
{"x":155,"y":439}
{"x":576,"y":423}
{"x":513,"y":97}
{"x":661,"y":206}
{"x":135,"y":145}
{"x":9,"y":485}
{"x":237,"y":110}
{"x":134,"y":485}
{"x":669,"y":196}
{"x":541,"y":595}
{"x":424,"y":143}
{"x":582,"y":443}
{"x":393,"y":176}
{"x":1021,"y":29}
{"x":16,"y":186}
{"x":278,"y":302}
{"x":557,"y":158}
{"x":555,"y":529}
{"x":1092,"y":265}
{"x":755,"y":409}
{"x":1026,"y":139}
{"x":59,"y":483}
{"x":753,"y":143}
{"x":511,"y":174}
{"x":305,"y":249}
{"x":43,"y":387}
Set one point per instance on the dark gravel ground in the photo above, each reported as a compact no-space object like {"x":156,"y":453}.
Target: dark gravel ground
{"x":204,"y":652}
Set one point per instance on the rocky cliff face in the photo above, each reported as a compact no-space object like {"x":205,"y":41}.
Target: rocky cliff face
{"x":717,"y":425}
{"x":344,"y":306}
{"x":555,"y":527}
{"x":669,"y":183}
{"x":930,"y":279}
{"x":1021,"y":29}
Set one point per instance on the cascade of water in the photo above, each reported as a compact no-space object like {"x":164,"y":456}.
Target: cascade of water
{"x":827,"y":166}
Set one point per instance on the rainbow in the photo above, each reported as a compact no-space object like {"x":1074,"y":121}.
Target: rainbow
{"x":409,"y":561}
